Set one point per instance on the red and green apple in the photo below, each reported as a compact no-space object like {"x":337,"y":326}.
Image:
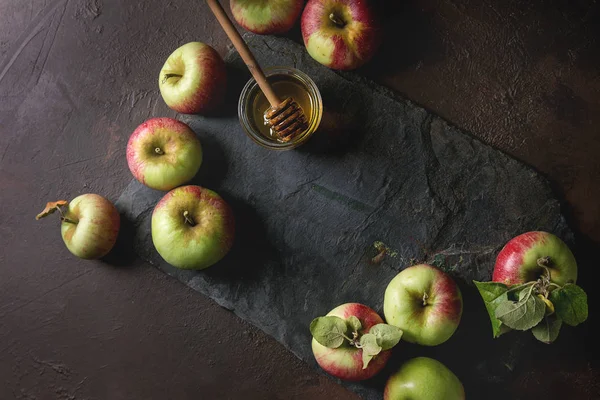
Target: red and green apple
{"x":423,"y":378}
{"x":425,"y":303}
{"x":193,"y":80}
{"x":163,"y":153}
{"x":526,"y":257}
{"x":89,"y":224}
{"x":341,"y":34}
{"x":192,"y":227}
{"x":266,"y":17}
{"x":352,"y":343}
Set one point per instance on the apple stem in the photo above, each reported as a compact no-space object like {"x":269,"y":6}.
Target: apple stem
{"x":188,"y":219}
{"x":159,"y":151}
{"x":337,"y":20}
{"x":425,"y":297}
{"x":543,"y":261}
{"x":63,"y":218}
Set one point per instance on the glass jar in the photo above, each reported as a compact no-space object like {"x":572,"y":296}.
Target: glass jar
{"x":286,"y":82}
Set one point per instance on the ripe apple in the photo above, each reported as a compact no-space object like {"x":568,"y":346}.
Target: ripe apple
{"x":163,"y":153}
{"x":346,"y":362}
{"x":89,"y":224}
{"x":423,"y":378}
{"x":425,"y":303}
{"x":193,"y":79}
{"x":266,"y":17}
{"x":192,"y":227}
{"x":524,"y":258}
{"x":340,"y":34}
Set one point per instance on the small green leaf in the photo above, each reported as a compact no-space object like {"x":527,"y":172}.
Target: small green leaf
{"x":366,"y":358}
{"x":521,"y":315}
{"x":354,"y":323}
{"x":387,"y":335}
{"x":570,"y":304}
{"x":370,"y":348}
{"x":547,"y":330}
{"x":329,"y":331}
{"x":493,"y":293}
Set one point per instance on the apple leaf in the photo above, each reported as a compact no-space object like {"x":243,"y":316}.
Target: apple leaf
{"x":387,"y":335}
{"x":570,"y":304}
{"x":547,"y":330}
{"x":493,"y":293}
{"x":370,"y":348}
{"x":521,"y":315}
{"x":354,"y":323}
{"x":329,"y":331}
{"x":51,"y":207}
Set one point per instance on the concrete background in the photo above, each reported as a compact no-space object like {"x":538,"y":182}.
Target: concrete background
{"x":77,"y":77}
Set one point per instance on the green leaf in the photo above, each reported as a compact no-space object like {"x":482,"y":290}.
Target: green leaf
{"x":570,"y":304}
{"x":387,"y":335}
{"x":493,"y":293}
{"x":370,"y":348}
{"x":329,"y":331}
{"x":354,"y":323}
{"x":521,"y":315}
{"x":547,"y":330}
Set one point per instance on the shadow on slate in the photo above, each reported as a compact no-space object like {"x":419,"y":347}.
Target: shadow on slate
{"x":380,"y":169}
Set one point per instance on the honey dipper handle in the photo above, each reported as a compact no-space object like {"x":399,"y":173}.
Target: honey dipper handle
{"x":244,"y":51}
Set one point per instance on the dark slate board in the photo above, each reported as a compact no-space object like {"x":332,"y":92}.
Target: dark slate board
{"x":380,"y":169}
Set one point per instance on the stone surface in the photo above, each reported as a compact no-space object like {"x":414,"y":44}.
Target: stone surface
{"x":380,"y":169}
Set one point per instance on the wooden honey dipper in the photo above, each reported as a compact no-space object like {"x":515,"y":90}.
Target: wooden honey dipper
{"x":285,"y":118}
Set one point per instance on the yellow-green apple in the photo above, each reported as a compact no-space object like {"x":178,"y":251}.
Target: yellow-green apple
{"x":193,"y":79}
{"x":192,"y":227}
{"x":525,"y":258}
{"x":163,"y":153}
{"x":340,"y":34}
{"x":351,"y":342}
{"x":89,"y":224}
{"x":425,"y":303}
{"x":423,"y":378}
{"x":266,"y":17}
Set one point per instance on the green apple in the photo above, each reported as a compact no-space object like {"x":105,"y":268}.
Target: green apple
{"x":89,"y":224}
{"x":192,"y":227}
{"x":193,"y":79}
{"x":163,"y":153}
{"x":423,"y":378}
{"x":425,"y":303}
{"x":266,"y":17}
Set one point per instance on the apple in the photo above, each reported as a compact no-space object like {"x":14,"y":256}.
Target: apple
{"x":193,"y":79}
{"x":425,"y":303}
{"x":346,"y":362}
{"x":525,"y":257}
{"x":163,"y":153}
{"x":266,"y":17}
{"x":423,"y":378}
{"x":340,"y":34}
{"x":89,"y":224}
{"x":192,"y":227}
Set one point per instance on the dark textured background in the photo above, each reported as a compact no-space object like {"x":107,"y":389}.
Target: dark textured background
{"x":77,"y":76}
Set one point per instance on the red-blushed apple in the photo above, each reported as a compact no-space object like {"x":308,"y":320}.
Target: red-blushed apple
{"x":163,"y":153}
{"x":425,"y":303}
{"x":525,"y":257}
{"x":423,"y":378}
{"x":341,"y":34}
{"x":192,"y":227}
{"x":89,"y":224}
{"x":193,"y":80}
{"x":346,"y":361}
{"x":266,"y":17}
